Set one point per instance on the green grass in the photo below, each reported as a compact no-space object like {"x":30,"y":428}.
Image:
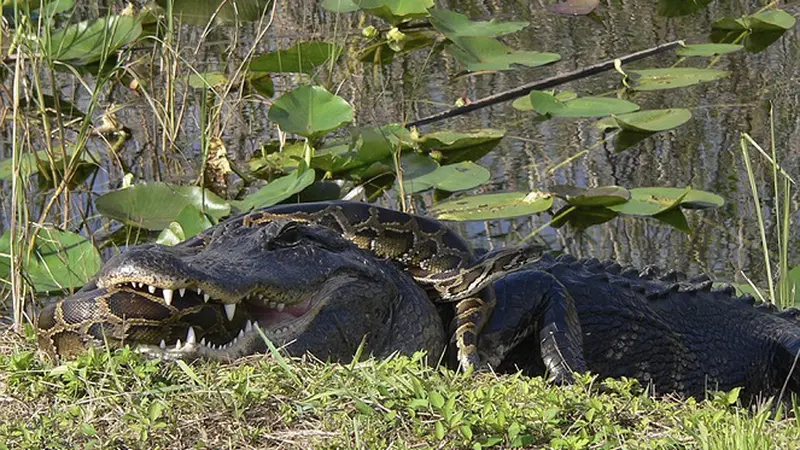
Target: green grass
{"x":122,"y":400}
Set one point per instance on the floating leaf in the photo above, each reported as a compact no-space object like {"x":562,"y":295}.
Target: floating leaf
{"x":28,"y":163}
{"x":494,"y":206}
{"x":575,"y":7}
{"x":673,"y":77}
{"x":276,"y":191}
{"x":453,"y":177}
{"x":480,"y":53}
{"x":708,"y":49}
{"x":310,"y":111}
{"x":459,"y":146}
{"x":384,"y":52}
{"x":304,"y":57}
{"x":765,"y":21}
{"x":583,"y":217}
{"x":651,"y":201}
{"x":653,"y":120}
{"x":416,"y":168}
{"x":396,"y":11}
{"x":89,"y":41}
{"x":154,"y":206}
{"x":547,"y":104}
{"x":59,"y":260}
{"x":524,"y":103}
{"x":599,"y":196}
{"x":455,"y":25}
{"x":675,"y":218}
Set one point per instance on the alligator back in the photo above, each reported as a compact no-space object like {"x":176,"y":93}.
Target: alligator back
{"x":671,"y":332}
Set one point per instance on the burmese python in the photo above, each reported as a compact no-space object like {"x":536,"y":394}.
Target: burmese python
{"x":435,"y":256}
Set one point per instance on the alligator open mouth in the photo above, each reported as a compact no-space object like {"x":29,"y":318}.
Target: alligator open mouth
{"x":257,"y":315}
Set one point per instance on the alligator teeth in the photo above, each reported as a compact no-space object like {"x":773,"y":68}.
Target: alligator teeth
{"x":203,"y":342}
{"x":182,"y":291}
{"x":199,"y":291}
{"x":234,"y":341}
{"x":206,"y":297}
{"x":162,"y":344}
{"x":281,"y":306}
{"x":151,"y":289}
{"x":230,"y":310}
{"x":191,"y":338}
{"x":167,"y":293}
{"x":248,"y":327}
{"x":178,"y":345}
{"x":140,"y":285}
{"x":241,"y":334}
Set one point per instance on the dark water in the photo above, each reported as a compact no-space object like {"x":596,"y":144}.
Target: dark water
{"x":703,"y":153}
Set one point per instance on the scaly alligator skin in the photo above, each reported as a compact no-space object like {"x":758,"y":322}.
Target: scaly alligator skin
{"x":675,"y":334}
{"x":303,"y":286}
{"x":307,"y":285}
{"x":233,"y":265}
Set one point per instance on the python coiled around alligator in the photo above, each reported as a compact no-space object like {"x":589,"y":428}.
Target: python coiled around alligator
{"x":435,"y":256}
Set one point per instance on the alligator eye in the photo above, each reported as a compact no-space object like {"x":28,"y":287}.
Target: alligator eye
{"x":288,"y":235}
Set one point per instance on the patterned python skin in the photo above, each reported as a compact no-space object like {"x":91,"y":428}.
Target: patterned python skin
{"x":434,"y":255}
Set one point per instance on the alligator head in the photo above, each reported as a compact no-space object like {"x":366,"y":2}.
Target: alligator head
{"x":302,"y":286}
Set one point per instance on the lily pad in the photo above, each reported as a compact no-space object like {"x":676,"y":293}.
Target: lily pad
{"x":276,"y":191}
{"x":154,"y":206}
{"x":28,"y":163}
{"x":60,"y":260}
{"x":304,"y":57}
{"x":673,"y":77}
{"x":454,"y":25}
{"x":310,"y":111}
{"x":396,"y":11}
{"x":649,"y":201}
{"x":87,"y":42}
{"x":416,"y":170}
{"x":481,"y":53}
{"x":458,"y":146}
{"x":708,"y":49}
{"x":765,"y":21}
{"x":653,"y":120}
{"x":494,"y":206}
{"x":453,"y":177}
{"x":599,"y":196}
{"x":548,"y":104}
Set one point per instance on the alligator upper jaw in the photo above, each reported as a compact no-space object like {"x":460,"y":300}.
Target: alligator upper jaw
{"x":187,"y":327}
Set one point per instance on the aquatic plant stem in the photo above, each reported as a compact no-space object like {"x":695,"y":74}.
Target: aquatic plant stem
{"x":547,"y":83}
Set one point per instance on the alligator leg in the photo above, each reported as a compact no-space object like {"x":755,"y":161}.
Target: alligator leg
{"x":535,"y":303}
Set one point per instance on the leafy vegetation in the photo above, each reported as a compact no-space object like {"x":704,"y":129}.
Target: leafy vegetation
{"x":58,"y":152}
{"x":124,"y":400}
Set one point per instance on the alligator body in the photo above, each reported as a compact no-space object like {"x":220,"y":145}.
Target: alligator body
{"x":674,"y":334}
{"x":318,"y":286}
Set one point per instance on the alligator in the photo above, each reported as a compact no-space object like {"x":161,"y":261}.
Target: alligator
{"x":329,"y":278}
